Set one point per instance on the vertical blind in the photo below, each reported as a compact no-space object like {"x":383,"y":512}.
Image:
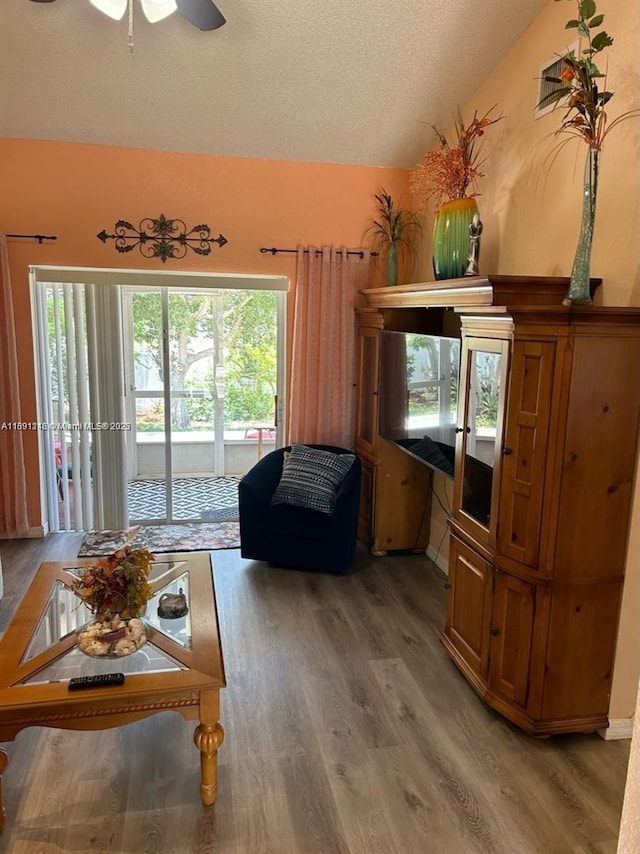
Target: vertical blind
{"x":78,"y":334}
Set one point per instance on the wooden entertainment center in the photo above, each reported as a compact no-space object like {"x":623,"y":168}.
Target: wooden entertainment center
{"x":535,"y":584}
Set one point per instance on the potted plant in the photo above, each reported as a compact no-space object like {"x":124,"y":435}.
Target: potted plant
{"x":392,"y":231}
{"x":449,"y":174}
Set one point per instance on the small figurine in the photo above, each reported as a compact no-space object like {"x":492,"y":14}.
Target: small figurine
{"x":475,"y":230}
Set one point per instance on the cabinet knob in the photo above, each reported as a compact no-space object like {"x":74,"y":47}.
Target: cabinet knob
{"x":495,"y":632}
{"x":463,"y":429}
{"x":507,"y":451}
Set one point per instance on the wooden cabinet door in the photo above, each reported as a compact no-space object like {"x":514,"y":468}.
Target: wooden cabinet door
{"x":581,"y":646}
{"x":367,"y":493}
{"x":402,"y":503}
{"x":367,"y":393}
{"x":525,"y":450}
{"x":511,"y":637}
{"x":469,"y":609}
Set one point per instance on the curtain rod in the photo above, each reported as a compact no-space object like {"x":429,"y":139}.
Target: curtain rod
{"x":38,"y":237}
{"x":273,"y":251}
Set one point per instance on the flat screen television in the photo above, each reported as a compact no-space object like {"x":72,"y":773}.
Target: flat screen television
{"x":418,"y":395}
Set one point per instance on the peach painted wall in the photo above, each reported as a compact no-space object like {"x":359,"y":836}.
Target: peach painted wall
{"x":76,"y":190}
{"x":531,"y":214}
{"x":530,"y":207}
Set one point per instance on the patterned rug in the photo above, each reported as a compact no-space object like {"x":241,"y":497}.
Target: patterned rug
{"x":164,"y":538}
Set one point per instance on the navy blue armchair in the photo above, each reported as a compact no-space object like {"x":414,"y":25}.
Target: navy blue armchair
{"x":298,"y":537}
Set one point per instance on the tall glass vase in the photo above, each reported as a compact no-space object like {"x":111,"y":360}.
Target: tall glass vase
{"x":580,"y":284}
{"x":450,"y":243}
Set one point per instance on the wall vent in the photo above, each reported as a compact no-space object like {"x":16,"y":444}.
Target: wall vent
{"x":553,"y":68}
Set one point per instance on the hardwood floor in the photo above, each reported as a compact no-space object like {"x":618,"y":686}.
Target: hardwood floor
{"x":348,"y":731}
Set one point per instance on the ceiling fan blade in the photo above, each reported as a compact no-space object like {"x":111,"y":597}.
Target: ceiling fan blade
{"x":113,"y":8}
{"x":158,"y":10}
{"x":202,"y":13}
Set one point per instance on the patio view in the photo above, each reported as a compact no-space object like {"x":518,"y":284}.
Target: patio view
{"x":200,"y":378}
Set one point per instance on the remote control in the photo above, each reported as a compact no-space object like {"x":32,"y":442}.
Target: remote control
{"x":103,"y":680}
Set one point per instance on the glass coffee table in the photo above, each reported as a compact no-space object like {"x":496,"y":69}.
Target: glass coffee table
{"x":179,"y":668}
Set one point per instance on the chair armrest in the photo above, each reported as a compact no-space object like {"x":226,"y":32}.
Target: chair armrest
{"x":261,"y":481}
{"x":348,"y":495}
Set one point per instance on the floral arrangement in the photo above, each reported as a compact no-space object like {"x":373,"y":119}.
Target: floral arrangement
{"x":580,"y":79}
{"x":448,"y":172}
{"x":117,"y":585}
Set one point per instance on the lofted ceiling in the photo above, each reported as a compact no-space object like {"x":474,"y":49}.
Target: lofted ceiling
{"x":337,"y":81}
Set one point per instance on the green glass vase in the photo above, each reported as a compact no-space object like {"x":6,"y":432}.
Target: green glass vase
{"x":392,"y":265}
{"x":580,"y":283}
{"x":450,"y":244}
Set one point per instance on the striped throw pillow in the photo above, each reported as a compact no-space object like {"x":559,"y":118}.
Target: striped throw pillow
{"x":311,"y":478}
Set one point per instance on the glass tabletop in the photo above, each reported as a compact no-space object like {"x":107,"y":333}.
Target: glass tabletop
{"x":65,"y":613}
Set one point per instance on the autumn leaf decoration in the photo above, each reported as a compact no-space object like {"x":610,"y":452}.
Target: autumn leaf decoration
{"x":117,"y":584}
{"x":451,"y":170}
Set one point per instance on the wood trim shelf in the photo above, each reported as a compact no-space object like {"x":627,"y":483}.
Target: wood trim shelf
{"x":477,"y":292}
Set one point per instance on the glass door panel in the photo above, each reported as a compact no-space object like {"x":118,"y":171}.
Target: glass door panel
{"x":247,"y":385}
{"x":144,"y":372}
{"x":480,"y":432}
{"x":480,"y":440}
{"x":148,"y":488}
{"x":202,"y":377}
{"x":194,"y":358}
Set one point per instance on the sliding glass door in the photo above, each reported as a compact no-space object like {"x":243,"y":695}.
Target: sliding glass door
{"x":189,"y":375}
{"x":202,"y":378}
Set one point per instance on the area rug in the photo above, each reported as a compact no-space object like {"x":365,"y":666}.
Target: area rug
{"x":164,"y":538}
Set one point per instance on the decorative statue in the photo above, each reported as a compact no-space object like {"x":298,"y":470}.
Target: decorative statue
{"x":475,"y":230}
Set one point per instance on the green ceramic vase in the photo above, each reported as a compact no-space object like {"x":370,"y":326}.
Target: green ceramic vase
{"x":392,"y":265}
{"x":450,"y":245}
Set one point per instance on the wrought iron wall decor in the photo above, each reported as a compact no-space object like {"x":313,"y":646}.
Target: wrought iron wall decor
{"x":162,"y":238}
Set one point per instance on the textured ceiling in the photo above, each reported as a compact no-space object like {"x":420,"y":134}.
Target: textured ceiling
{"x":338,"y":81}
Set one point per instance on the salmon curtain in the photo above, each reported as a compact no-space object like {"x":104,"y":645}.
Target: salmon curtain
{"x":13,"y":496}
{"x":321,"y":403}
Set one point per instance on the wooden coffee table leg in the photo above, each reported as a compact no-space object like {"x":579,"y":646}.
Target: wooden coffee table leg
{"x":208,"y":737}
{"x":4,"y":759}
